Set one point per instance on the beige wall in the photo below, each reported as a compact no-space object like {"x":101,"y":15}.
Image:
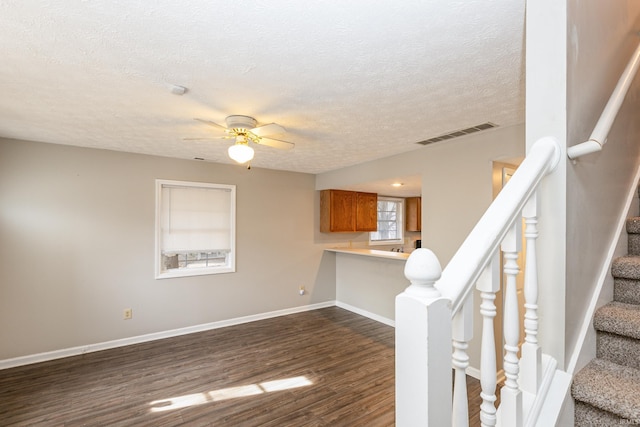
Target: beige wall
{"x":77,"y":244}
{"x":601,"y":37}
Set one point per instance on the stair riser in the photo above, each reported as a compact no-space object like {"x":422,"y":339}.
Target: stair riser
{"x":618,"y":349}
{"x":626,"y":290}
{"x":633,"y":225}
{"x":634,"y":244}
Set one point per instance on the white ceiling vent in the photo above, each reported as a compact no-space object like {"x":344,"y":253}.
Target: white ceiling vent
{"x":457,"y":133}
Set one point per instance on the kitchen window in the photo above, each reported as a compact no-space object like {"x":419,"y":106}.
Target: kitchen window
{"x":390,"y":225}
{"x":195,"y":228}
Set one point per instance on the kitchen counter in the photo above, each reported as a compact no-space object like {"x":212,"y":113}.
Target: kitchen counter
{"x":368,"y":281}
{"x":371,"y":252}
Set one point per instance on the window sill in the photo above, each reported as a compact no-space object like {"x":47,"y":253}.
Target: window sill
{"x":386,"y":242}
{"x":194,"y":272}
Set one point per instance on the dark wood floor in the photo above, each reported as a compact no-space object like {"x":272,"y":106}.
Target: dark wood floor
{"x":325,"y":367}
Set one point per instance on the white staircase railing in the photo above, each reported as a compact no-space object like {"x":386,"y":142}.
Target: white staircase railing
{"x":434,"y":315}
{"x":600,"y":132}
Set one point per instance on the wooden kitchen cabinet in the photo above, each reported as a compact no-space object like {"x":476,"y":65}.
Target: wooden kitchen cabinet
{"x":413,"y":208}
{"x":366,"y":212}
{"x":344,"y":211}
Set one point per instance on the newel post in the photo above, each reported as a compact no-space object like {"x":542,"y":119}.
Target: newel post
{"x":423,"y":346}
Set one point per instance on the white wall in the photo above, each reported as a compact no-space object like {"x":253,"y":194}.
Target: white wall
{"x":77,"y":245}
{"x":546,"y":116}
{"x":601,"y":37}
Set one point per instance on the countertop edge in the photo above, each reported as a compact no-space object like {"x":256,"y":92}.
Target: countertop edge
{"x":398,"y":256}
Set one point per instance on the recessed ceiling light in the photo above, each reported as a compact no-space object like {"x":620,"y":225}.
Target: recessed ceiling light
{"x":397,"y":184}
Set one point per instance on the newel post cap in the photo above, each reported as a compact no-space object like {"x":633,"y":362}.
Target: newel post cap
{"x":423,"y":270}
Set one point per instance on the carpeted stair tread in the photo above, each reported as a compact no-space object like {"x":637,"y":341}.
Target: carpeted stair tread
{"x":626,"y":267}
{"x":609,"y":387}
{"x":633,"y":225}
{"x":589,"y":416}
{"x":618,"y":318}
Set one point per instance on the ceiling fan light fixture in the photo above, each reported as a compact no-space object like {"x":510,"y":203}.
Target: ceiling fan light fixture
{"x":241,"y":152}
{"x":244,"y":130}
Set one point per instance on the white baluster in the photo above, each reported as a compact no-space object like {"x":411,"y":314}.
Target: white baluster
{"x":510,"y":395}
{"x":488,"y":284}
{"x":531,"y":362}
{"x":461,"y":334}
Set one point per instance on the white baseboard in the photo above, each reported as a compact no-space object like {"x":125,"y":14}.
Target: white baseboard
{"x":366,"y":313}
{"x":473,"y":372}
{"x":75,"y":351}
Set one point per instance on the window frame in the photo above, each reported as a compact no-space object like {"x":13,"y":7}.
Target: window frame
{"x":229,"y":266}
{"x":399,"y":222}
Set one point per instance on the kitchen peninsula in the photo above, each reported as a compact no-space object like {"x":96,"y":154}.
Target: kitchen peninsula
{"x":368,"y":280}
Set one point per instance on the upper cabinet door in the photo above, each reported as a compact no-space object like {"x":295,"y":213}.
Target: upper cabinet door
{"x":337,"y":211}
{"x":413,"y":207}
{"x":366,"y":211}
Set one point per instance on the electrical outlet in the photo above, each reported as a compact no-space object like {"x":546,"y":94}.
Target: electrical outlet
{"x":127,"y":314}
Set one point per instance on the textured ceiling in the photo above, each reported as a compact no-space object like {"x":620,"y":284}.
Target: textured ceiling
{"x":351,"y":81}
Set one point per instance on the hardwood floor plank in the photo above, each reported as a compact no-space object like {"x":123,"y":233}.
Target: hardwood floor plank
{"x":224,"y":377}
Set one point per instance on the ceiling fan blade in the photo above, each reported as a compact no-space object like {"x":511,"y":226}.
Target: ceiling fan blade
{"x":270,"y":129}
{"x":276,"y":143}
{"x":207,"y":139}
{"x":213,"y":124}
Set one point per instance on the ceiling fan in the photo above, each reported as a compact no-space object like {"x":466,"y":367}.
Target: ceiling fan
{"x":243,"y":130}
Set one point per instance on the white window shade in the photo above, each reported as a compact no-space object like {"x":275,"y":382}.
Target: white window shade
{"x":195,"y":228}
{"x":195,"y":219}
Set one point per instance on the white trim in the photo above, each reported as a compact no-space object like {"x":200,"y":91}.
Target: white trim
{"x":74,"y":351}
{"x":558,"y":391}
{"x":366,"y":313}
{"x":604,"y":272}
{"x":534,"y":408}
{"x":473,"y":372}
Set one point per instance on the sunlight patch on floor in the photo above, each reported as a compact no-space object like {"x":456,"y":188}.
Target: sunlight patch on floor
{"x":195,"y":399}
